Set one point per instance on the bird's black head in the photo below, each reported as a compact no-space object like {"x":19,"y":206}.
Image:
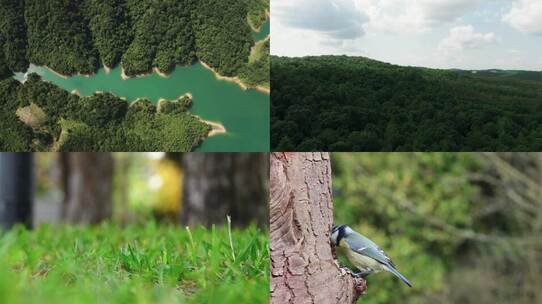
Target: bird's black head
{"x":337,"y":233}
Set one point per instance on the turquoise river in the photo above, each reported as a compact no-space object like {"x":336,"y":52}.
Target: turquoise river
{"x":244,"y":113}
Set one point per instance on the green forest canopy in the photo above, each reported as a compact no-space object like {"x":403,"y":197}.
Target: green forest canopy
{"x":359,"y":104}
{"x":258,"y":10}
{"x":79,"y":36}
{"x":33,"y":119}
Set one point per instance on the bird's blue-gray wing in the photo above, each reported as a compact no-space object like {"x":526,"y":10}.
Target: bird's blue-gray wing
{"x":365,"y":246}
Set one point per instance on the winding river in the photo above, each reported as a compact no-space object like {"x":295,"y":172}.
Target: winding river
{"x":244,"y":113}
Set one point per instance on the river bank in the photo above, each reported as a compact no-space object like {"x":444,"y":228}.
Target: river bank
{"x":161,"y":74}
{"x":126,"y":77}
{"x":106,"y":68}
{"x":245,"y":114}
{"x":68,"y":76}
{"x":236,"y":80}
{"x":154,"y":70}
{"x":217,"y":127}
{"x":258,"y":29}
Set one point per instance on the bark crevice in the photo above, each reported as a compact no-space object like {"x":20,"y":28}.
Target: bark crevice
{"x":303,"y":268}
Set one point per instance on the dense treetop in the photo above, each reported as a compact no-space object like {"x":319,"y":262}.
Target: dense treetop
{"x":59,"y":37}
{"x":13,"y":34}
{"x":33,"y":119}
{"x":163,"y":36}
{"x":358,"y":104}
{"x":257,"y":12}
{"x":78,"y":36}
{"x":256,"y":72}
{"x":111,"y":29}
{"x":222,"y":42}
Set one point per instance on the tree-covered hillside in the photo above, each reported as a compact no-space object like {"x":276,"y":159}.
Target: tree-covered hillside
{"x":13,"y":34}
{"x":78,"y":36}
{"x":256,"y":72}
{"x":340,"y":103}
{"x":111,"y":28}
{"x":39,"y":116}
{"x":59,"y":37}
{"x":257,"y":12}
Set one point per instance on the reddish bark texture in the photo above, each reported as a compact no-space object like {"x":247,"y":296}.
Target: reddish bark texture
{"x":303,"y":269}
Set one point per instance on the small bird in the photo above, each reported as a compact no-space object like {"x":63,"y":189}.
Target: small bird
{"x":363,"y":253}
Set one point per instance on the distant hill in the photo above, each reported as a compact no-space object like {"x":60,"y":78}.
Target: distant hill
{"x":340,"y":103}
{"x":525,"y":75}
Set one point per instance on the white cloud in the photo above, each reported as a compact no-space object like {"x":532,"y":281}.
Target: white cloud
{"x":525,"y":16}
{"x":361,"y":27}
{"x":445,"y":10}
{"x":464,"y":37}
{"x":336,"y":19}
{"x":408,"y":16}
{"x":349,"y":19}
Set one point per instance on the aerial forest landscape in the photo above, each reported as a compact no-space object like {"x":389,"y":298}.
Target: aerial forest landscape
{"x":406,"y":75}
{"x":128,"y":75}
{"x":359,"y":104}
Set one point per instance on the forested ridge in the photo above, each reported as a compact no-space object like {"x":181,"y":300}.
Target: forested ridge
{"x":256,"y":72}
{"x":79,"y":36}
{"x":359,"y":104}
{"x":258,"y":11}
{"x":13,"y":34}
{"x":33,"y":119}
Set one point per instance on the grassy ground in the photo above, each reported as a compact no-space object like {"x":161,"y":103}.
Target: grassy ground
{"x":134,"y":264}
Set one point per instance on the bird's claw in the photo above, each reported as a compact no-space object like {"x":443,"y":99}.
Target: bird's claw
{"x":362,"y":274}
{"x":343,"y":271}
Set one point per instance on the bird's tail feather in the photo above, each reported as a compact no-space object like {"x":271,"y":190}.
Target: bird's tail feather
{"x":397,"y":274}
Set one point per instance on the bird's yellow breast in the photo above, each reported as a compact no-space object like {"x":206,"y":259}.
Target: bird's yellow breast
{"x":358,"y":260}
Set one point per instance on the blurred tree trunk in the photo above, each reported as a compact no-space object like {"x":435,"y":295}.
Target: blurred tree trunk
{"x":16,"y":189}
{"x":220,"y":184}
{"x":123,"y":164}
{"x":303,"y":268}
{"x":87,"y":180}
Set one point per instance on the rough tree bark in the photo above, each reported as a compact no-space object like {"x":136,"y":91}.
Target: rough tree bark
{"x":220,"y":184}
{"x":87,"y":180}
{"x":303,"y":268}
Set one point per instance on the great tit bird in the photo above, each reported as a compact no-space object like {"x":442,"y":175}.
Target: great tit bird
{"x":363,"y":253}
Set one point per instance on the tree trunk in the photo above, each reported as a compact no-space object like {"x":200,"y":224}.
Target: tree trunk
{"x":303,"y":268}
{"x":221,"y":184}
{"x":87,"y":179}
{"x":16,"y":189}
{"x":122,"y":165}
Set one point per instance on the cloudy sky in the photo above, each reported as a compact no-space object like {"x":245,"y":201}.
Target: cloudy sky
{"x":467,"y":34}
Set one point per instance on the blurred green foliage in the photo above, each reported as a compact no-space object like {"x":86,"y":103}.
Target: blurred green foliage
{"x":135,"y":264}
{"x":426,"y":211}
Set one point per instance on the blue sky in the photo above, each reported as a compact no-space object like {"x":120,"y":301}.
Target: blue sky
{"x":466,"y":34}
